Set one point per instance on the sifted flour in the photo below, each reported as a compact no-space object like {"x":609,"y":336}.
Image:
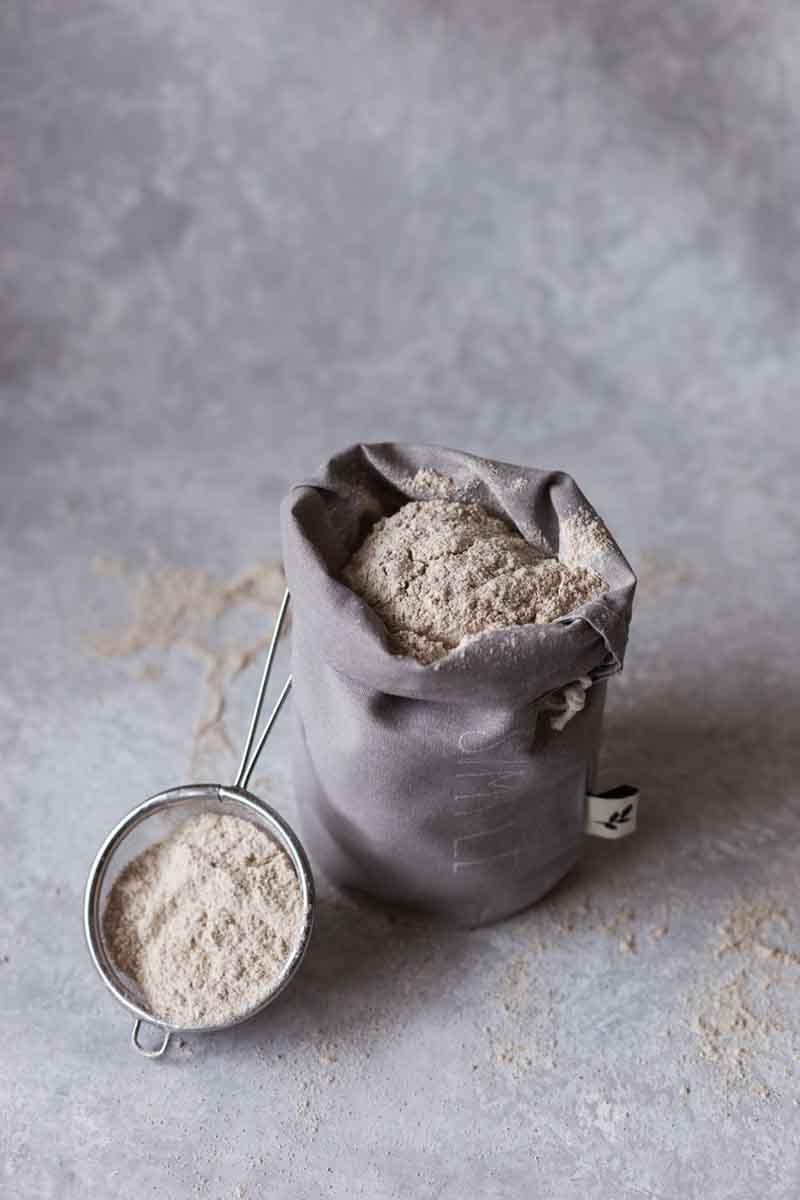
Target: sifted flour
{"x":438,"y":571}
{"x":205,"y":920}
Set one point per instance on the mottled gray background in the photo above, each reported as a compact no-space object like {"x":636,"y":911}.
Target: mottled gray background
{"x":238,"y":236}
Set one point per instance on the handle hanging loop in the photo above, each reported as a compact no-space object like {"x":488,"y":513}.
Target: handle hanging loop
{"x":158,"y":1050}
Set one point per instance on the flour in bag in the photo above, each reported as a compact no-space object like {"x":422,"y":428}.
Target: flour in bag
{"x":439,"y":571}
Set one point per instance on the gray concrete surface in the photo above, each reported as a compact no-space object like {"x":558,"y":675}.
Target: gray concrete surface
{"x":238,"y":236}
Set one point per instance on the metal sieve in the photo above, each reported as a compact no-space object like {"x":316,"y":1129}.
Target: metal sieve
{"x":152,"y":821}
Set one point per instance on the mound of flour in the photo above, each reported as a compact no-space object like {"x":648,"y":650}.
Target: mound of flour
{"x":205,"y":921}
{"x":438,"y":571}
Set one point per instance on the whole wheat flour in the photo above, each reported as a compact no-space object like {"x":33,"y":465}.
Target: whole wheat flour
{"x":205,"y":920}
{"x":438,"y":571}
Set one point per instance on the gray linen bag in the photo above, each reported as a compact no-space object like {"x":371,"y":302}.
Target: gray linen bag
{"x":442,"y":787}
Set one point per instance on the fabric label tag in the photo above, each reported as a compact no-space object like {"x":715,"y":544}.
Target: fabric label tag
{"x":612,"y":814}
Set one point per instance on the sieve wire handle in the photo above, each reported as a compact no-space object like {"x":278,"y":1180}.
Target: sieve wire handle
{"x":249,"y":761}
{"x":158,"y":1050}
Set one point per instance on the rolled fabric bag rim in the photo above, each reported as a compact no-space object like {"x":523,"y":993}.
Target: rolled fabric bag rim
{"x":357,"y":644}
{"x":442,"y":786}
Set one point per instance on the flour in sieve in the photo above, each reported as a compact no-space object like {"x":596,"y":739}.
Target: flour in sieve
{"x":205,"y":921}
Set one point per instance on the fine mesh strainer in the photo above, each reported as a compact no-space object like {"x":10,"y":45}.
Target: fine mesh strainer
{"x":155,"y":819}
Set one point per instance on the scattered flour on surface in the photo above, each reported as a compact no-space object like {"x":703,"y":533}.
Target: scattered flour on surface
{"x":181,"y":606}
{"x":735,"y":1017}
{"x":728,"y":1029}
{"x":172,"y":604}
{"x":438,"y":572}
{"x":747,"y":930}
{"x":620,"y":926}
{"x":205,"y":921}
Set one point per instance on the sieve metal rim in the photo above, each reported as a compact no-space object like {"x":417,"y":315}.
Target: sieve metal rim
{"x":162,"y":801}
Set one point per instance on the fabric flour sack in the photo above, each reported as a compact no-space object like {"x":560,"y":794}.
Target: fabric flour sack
{"x":457,"y":787}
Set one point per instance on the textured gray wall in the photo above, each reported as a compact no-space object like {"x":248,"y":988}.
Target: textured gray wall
{"x":238,"y":236}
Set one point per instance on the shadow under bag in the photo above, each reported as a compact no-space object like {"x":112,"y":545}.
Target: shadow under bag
{"x":447,"y":787}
